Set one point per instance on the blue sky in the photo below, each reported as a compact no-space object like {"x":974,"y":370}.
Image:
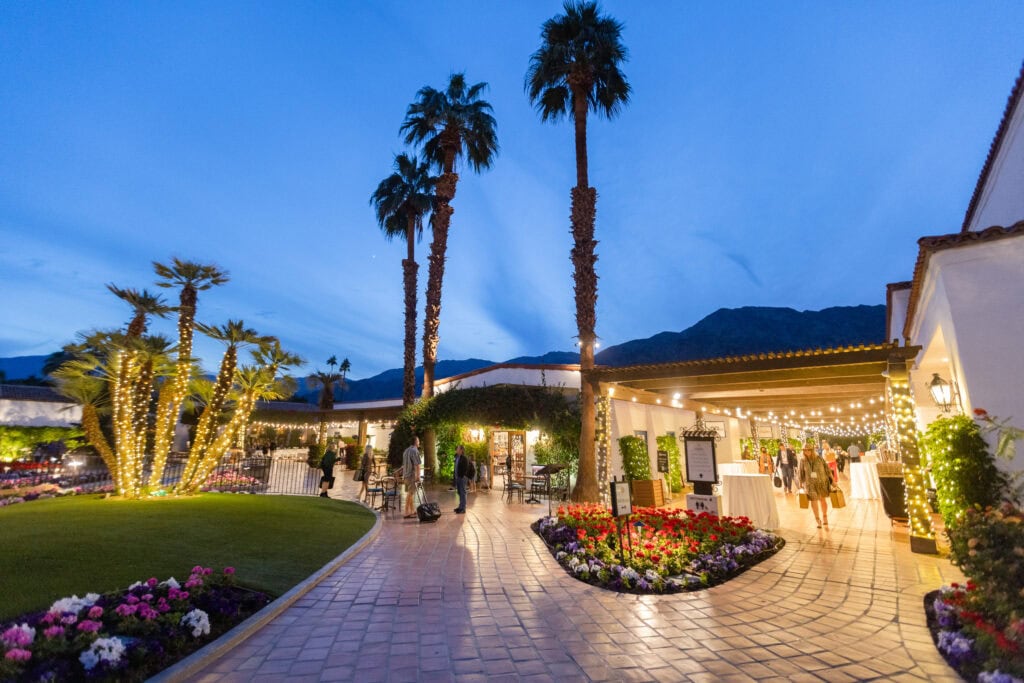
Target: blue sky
{"x":774,"y":154}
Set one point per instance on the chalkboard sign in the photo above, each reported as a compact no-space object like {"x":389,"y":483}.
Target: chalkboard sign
{"x":700,"y":459}
{"x":621,"y":504}
{"x":663,"y":461}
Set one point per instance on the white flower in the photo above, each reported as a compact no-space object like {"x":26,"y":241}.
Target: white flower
{"x":198,"y":621}
{"x":559,"y":555}
{"x":630,"y":574}
{"x":651,"y":575}
{"x":171,"y":583}
{"x":74,"y":604}
{"x":107,"y":650}
{"x":135,"y":585}
{"x":582,"y":569}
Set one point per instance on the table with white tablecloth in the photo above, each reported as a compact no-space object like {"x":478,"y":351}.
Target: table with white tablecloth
{"x":738,"y":467}
{"x":750,"y":496}
{"x":864,"y":484}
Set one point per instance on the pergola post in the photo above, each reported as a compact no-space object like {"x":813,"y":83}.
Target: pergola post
{"x":900,"y":406}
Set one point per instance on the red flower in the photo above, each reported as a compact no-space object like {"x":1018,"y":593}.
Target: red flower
{"x":981,"y":412}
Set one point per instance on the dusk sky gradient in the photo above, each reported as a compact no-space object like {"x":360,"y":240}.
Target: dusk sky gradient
{"x":773,"y":154}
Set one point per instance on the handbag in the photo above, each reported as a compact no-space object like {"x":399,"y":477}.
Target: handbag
{"x":777,"y":480}
{"x":327,"y":480}
{"x":804,"y":502}
{"x":837,"y":498}
{"x":358,"y":476}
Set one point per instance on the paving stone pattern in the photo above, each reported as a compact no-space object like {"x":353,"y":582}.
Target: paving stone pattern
{"x":478,"y":597}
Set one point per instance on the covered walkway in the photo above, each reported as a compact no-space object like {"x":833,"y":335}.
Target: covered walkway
{"x":478,"y":597}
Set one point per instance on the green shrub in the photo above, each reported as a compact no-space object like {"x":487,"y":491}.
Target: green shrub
{"x":668,"y":443}
{"x":314,"y":454}
{"x":988,"y":546}
{"x":964,"y":472}
{"x":635,"y":461}
{"x":551,"y":451}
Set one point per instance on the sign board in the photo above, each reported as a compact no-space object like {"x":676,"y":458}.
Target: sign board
{"x":663,"y":461}
{"x":708,"y":504}
{"x":700,"y":459}
{"x":621,"y":504}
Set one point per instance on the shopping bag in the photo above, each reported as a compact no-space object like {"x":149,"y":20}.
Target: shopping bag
{"x":327,"y":480}
{"x":777,"y":481}
{"x":838,"y":499}
{"x":804,"y":502}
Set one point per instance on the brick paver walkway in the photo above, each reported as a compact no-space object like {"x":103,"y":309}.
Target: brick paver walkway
{"x":478,"y":597}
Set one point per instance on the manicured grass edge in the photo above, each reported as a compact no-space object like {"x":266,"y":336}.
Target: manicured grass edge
{"x":211,"y":652}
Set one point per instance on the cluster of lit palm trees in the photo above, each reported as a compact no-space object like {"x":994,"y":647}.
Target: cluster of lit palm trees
{"x":575,"y":71}
{"x":132,"y":376}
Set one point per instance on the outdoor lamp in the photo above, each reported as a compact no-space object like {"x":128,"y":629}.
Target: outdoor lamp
{"x":941,"y":392}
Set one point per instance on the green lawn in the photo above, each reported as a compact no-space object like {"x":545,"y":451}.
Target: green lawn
{"x":57,"y":547}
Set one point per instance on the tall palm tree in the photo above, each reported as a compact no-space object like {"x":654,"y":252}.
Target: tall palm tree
{"x":189,"y":278}
{"x":449,"y":124}
{"x":235,"y":335}
{"x":577,"y":70}
{"x":401,"y":201}
{"x":326,"y":381}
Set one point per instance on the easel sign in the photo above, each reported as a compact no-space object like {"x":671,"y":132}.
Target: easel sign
{"x":622,"y":505}
{"x":663,"y":462}
{"x":700,"y":459}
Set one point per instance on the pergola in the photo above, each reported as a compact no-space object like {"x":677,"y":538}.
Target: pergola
{"x":808,"y":389}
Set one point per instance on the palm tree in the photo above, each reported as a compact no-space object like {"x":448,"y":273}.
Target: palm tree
{"x":190,"y":278}
{"x":401,"y":201}
{"x":235,"y":334}
{"x":576,"y":70}
{"x":326,"y":381}
{"x":449,"y":124}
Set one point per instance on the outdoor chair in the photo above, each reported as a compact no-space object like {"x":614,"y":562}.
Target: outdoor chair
{"x":374,"y":488}
{"x":390,"y":495}
{"x":513,"y":488}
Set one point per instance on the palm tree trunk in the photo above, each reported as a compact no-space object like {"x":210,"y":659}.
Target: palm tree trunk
{"x":168,"y":409}
{"x":409,"y":270}
{"x":206,"y":430}
{"x":440,"y":221}
{"x":98,"y":440}
{"x":585,"y":281}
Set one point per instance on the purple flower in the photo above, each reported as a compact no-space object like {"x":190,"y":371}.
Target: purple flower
{"x":957,"y":646}
{"x":229,"y":571}
{"x":18,"y":655}
{"x":126,"y":610}
{"x":95,"y":612}
{"x":152,"y":582}
{"x":18,"y":636}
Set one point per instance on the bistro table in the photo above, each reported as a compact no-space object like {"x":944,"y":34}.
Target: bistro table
{"x":864,"y":484}
{"x":738,"y":467}
{"x":750,"y":496}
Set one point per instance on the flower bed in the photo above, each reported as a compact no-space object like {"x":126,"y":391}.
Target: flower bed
{"x":230,"y":482}
{"x":971,"y":642}
{"x":672,"y":550}
{"x":125,"y":636}
{"x":44,"y":491}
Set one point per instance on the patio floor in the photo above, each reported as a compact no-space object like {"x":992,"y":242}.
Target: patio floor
{"x":478,"y":597}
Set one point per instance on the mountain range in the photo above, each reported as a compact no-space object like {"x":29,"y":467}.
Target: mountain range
{"x":726,"y":332}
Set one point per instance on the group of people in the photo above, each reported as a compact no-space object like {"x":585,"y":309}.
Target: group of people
{"x":816,"y":473}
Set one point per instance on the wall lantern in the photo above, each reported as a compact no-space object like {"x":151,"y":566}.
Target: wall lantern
{"x":941,"y":391}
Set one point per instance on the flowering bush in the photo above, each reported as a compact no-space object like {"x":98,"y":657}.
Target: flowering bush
{"x":44,"y":491}
{"x":230,"y":482}
{"x":128,"y":635}
{"x":972,"y":642}
{"x":666,"y":550}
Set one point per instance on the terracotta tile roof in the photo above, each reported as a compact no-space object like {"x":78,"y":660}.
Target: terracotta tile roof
{"x":24,"y":392}
{"x":716,"y":363}
{"x":993,"y":150}
{"x":929,"y":245}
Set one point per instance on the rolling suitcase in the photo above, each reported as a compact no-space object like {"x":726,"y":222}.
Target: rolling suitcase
{"x":427,"y":512}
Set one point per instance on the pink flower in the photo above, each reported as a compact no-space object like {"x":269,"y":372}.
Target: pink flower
{"x":131,"y":600}
{"x":68,"y":620}
{"x":197,"y":569}
{"x":146,"y":612}
{"x":95,"y":612}
{"x":152,"y":582}
{"x":148,"y":597}
{"x":126,"y":610}
{"x":54,"y":632}
{"x":89,"y":626}
{"x":229,"y":570}
{"x":207,"y":571}
{"x":193,"y":582}
{"x":18,"y":655}
{"x":49,"y":618}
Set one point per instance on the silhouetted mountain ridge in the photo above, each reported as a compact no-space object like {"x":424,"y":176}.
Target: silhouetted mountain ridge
{"x":726,"y":332}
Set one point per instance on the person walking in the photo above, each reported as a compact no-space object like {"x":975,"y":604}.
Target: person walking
{"x":365,"y":470}
{"x":411,"y":463}
{"x":327,"y":467}
{"x":786,"y":462}
{"x":764,"y":462}
{"x":816,"y":481}
{"x":830,"y":459}
{"x":461,"y":474}
{"x":854,"y":452}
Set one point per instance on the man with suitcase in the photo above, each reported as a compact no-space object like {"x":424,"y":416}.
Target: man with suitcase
{"x":411,"y":462}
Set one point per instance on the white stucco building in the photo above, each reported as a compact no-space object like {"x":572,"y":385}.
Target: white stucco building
{"x":965,"y":304}
{"x":29,"y":406}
